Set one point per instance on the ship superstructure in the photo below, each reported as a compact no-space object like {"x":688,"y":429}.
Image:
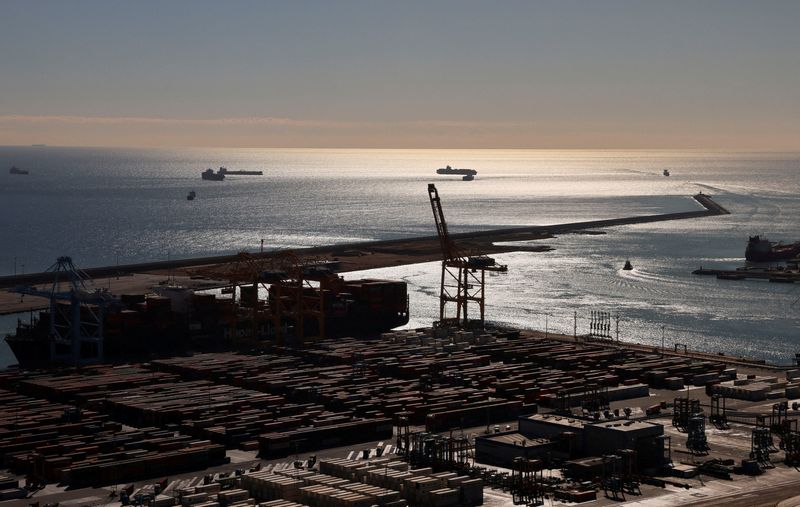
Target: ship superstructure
{"x":760,"y":249}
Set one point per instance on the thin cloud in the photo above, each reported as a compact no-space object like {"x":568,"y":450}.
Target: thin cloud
{"x":249,"y":120}
{"x":138,"y":120}
{"x":282,"y":132}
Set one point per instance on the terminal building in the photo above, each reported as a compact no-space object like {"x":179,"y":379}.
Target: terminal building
{"x":566,"y":437}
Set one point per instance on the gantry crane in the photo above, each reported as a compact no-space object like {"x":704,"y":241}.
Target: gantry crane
{"x":244,"y":275}
{"x":297,"y":288}
{"x":295,"y":300}
{"x":76,"y":313}
{"x":463,"y":278}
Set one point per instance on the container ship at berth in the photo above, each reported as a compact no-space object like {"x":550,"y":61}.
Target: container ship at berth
{"x":760,"y":249}
{"x":178,"y":320}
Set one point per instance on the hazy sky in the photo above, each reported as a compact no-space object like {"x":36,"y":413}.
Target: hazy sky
{"x":478,"y":74}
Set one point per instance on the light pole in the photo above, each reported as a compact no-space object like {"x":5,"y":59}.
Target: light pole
{"x":546,"y":329}
{"x":575,"y":325}
{"x":15,"y":265}
{"x":663,"y":327}
{"x":262,"y":245}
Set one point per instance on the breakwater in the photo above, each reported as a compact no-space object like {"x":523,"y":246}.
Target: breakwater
{"x":481,"y":242}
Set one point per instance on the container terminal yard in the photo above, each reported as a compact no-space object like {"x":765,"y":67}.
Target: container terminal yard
{"x":282,"y":405}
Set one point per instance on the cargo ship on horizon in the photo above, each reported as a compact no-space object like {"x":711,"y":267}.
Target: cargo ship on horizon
{"x":210,"y":175}
{"x":226,"y":171}
{"x":453,"y":170}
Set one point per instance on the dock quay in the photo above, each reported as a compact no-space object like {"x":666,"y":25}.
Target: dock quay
{"x":775,"y":275}
{"x":138,"y":278}
{"x":350,"y":416}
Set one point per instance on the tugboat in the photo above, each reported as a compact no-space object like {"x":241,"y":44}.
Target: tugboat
{"x":666,"y":172}
{"x":16,"y":170}
{"x":628,"y":266}
{"x":191,"y":195}
{"x":210,"y":175}
{"x":468,"y":177}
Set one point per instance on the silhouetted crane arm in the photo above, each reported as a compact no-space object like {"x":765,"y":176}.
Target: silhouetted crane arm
{"x":448,"y":247}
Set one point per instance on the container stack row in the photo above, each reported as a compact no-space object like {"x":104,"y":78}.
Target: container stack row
{"x":59,"y":443}
{"x":310,"y":438}
{"x":349,"y":483}
{"x":90,"y":385}
{"x":416,"y":486}
{"x":226,"y":414}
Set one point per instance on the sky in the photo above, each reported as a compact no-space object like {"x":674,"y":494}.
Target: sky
{"x":638,"y":74}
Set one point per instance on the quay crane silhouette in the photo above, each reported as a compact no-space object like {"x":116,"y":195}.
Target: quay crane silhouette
{"x":76,"y":328}
{"x":463,"y":277}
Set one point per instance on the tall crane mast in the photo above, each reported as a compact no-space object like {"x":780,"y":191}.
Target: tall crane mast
{"x":463,"y":277}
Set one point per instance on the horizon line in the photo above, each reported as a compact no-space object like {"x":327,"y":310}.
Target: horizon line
{"x":390,"y":148}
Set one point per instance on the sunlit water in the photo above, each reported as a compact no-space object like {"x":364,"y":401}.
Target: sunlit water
{"x":108,"y":206}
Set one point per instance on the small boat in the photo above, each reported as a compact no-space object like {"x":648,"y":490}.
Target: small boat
{"x":468,"y":177}
{"x":16,"y":170}
{"x":666,"y":172}
{"x":210,"y":175}
{"x":191,"y":195}
{"x":628,"y":266}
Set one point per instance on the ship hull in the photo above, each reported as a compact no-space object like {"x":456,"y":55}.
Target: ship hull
{"x":761,"y":250}
{"x":29,"y":352}
{"x":166,"y":326}
{"x":450,"y":170}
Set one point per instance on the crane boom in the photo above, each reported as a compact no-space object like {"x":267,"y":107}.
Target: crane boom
{"x":448,"y":247}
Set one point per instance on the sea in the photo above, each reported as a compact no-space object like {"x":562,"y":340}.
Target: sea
{"x":104,"y":206}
